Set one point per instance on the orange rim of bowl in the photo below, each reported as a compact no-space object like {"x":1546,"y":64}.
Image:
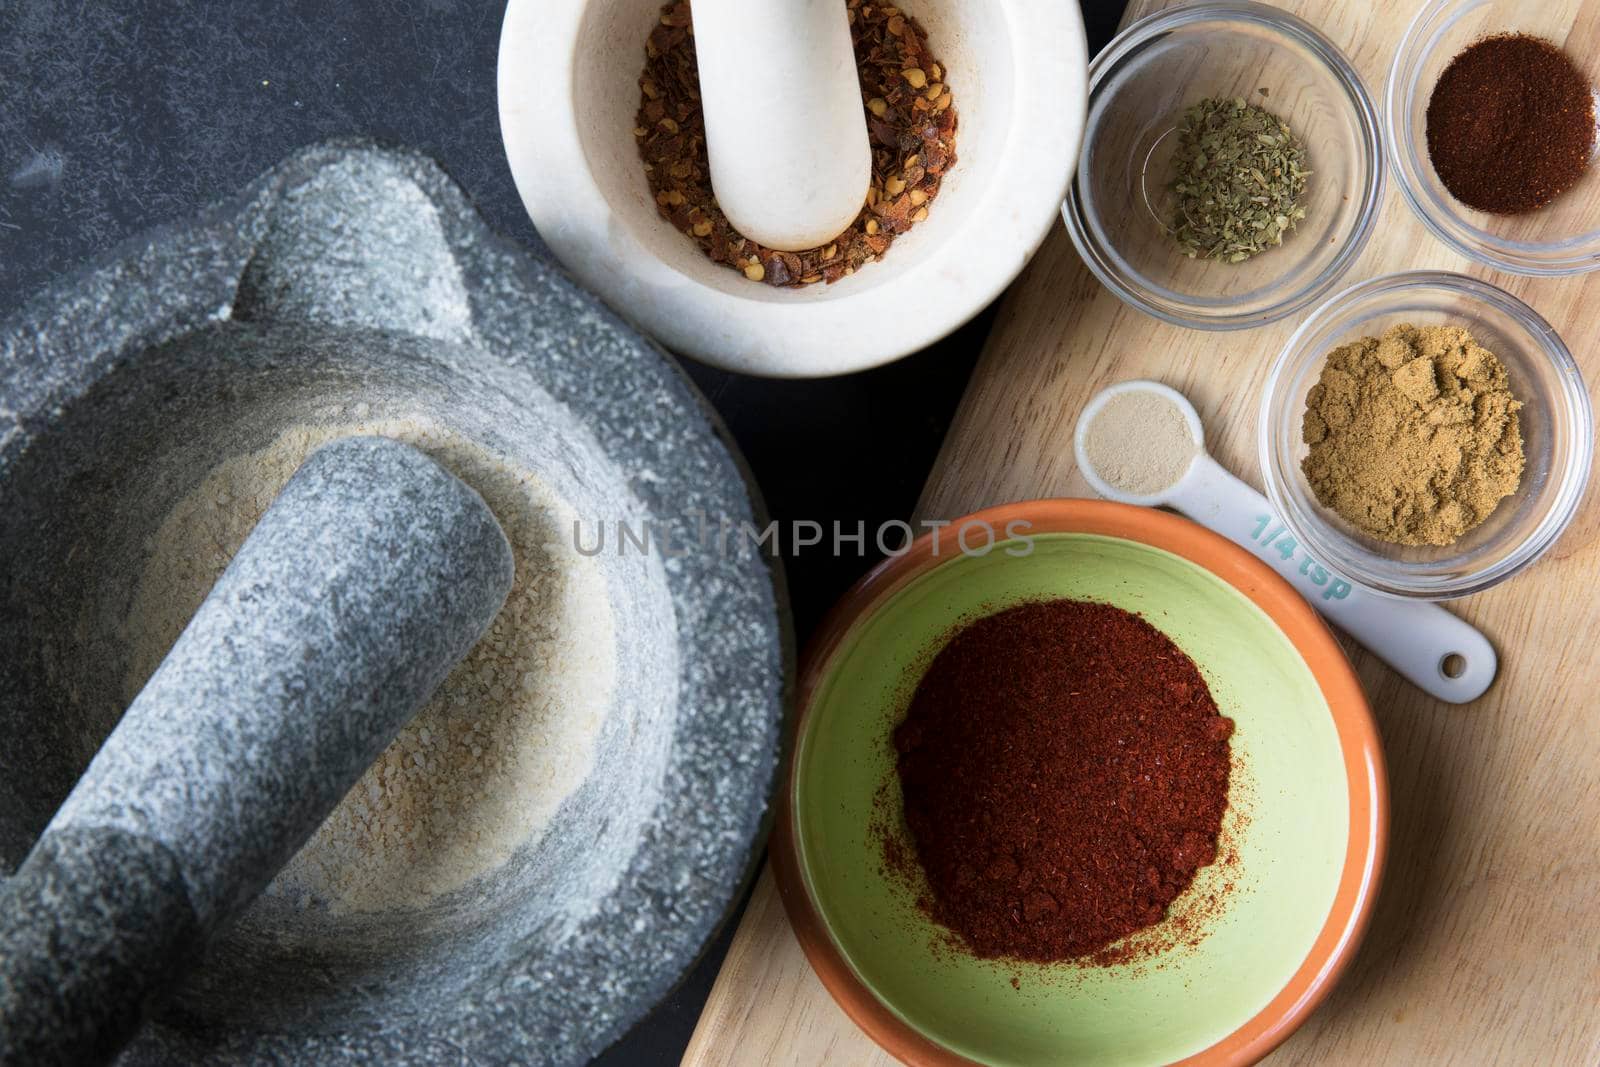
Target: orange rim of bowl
{"x":1365,"y":775}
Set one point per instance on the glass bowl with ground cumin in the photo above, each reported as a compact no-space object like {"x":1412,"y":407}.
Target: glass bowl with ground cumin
{"x":1490,"y":114}
{"x":1425,"y":433}
{"x":1232,"y":166}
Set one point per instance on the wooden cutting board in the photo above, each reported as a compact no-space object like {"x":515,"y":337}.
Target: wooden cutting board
{"x":1485,"y":946}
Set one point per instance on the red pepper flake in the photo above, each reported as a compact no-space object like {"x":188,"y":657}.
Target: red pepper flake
{"x":911,"y":119}
{"x":1064,"y":771}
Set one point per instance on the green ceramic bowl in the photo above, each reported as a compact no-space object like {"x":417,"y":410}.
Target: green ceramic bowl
{"x":1307,"y":819}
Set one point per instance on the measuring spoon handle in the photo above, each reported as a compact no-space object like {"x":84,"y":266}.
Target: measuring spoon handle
{"x":1414,"y":637}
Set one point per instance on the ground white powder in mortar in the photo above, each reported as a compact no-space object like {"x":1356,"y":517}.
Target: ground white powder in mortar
{"x":1140,"y":443}
{"x":509,"y":734}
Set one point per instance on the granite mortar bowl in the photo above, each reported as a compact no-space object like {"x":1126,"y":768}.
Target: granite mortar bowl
{"x":348,"y":276}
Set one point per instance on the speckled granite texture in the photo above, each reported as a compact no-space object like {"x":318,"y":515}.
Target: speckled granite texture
{"x":93,"y":932}
{"x":352,"y":276}
{"x":362,"y":586}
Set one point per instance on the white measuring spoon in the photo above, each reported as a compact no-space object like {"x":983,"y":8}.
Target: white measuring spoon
{"x":1436,"y":651}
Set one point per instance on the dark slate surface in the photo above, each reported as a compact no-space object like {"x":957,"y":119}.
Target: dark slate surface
{"x":117,"y":116}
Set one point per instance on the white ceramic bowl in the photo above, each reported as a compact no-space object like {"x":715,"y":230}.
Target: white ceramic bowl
{"x":568,"y":83}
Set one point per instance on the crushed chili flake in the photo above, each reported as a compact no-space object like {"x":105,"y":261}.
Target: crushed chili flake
{"x":1064,"y":771}
{"x":910,"y":119}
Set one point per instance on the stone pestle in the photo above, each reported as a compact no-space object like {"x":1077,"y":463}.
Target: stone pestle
{"x":367,"y":580}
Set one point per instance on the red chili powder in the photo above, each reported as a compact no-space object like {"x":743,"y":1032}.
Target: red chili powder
{"x":1064,"y":772}
{"x":1510,"y":124}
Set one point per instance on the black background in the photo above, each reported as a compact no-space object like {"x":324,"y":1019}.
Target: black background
{"x":117,"y":117}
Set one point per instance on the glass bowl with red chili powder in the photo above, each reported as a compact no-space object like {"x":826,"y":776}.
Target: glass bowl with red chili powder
{"x":1490,"y":119}
{"x":1099,"y":789}
{"x":1124,"y":209}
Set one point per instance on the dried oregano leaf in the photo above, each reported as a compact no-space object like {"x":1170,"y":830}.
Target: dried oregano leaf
{"x":1238,"y":174}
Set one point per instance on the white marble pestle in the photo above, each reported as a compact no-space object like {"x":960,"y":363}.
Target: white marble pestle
{"x":785,"y":128}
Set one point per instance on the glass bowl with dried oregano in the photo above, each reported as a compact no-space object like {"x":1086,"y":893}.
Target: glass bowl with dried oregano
{"x":1490,"y":109}
{"x":1426,"y":434}
{"x":1232,"y":167}
{"x":571,"y":101}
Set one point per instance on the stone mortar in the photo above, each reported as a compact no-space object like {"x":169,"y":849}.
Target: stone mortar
{"x":355,"y":275}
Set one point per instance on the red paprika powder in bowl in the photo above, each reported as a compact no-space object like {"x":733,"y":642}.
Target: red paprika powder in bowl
{"x":1064,"y":772}
{"x":1108,"y":792}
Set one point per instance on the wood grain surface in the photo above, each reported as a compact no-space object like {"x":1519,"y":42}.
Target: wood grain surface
{"x":1485,"y":945}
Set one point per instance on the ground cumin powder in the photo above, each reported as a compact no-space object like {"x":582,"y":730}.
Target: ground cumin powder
{"x":1414,"y":435}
